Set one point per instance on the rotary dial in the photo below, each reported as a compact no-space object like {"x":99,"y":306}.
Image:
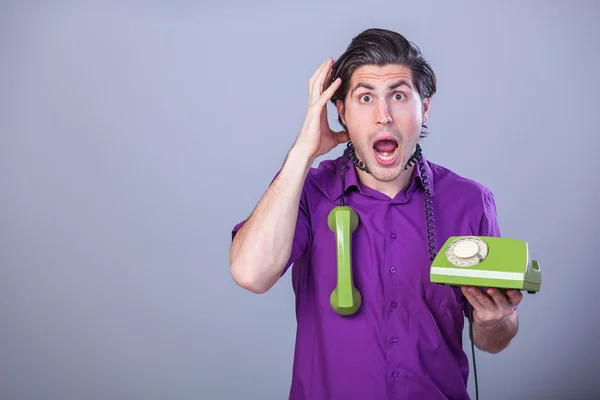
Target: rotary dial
{"x":467,"y":251}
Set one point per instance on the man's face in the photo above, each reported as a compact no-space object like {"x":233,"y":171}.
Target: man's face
{"x":383,"y":113}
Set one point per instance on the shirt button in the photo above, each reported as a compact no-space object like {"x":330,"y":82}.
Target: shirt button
{"x":394,"y":304}
{"x":393,"y":270}
{"x":395,"y":374}
{"x":393,"y":235}
{"x":395,"y":339}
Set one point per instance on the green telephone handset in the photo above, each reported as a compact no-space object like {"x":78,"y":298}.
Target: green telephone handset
{"x":486,"y":261}
{"x":345,"y":298}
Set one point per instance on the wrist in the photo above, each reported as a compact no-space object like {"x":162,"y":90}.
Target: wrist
{"x":495,"y":324}
{"x":300,"y":156}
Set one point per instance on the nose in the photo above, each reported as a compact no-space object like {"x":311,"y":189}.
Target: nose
{"x":382,"y":114}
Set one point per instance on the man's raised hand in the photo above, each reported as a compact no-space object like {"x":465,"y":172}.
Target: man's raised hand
{"x":316,"y":137}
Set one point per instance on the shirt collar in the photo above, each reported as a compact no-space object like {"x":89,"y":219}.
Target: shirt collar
{"x":351,"y":181}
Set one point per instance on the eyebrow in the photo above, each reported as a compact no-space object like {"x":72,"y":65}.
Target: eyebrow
{"x":395,"y":85}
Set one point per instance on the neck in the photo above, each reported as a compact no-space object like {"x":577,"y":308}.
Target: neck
{"x":391,"y":188}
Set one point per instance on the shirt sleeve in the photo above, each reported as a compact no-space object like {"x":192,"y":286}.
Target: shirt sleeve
{"x":489,"y":221}
{"x":302,"y":234}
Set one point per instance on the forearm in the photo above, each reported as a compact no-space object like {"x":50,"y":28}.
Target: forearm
{"x":263,"y":245}
{"x":495,"y":337}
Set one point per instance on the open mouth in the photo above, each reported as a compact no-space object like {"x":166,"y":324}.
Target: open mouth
{"x":386,"y":151}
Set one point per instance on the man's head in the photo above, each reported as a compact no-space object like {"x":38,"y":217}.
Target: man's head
{"x":383,"y":100}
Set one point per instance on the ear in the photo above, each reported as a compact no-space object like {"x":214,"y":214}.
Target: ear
{"x":426,"y":105}
{"x":340,"y":108}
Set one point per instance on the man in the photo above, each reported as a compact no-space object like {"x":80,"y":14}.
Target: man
{"x":405,"y":341}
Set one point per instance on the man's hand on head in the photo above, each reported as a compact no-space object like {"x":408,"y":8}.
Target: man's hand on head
{"x":316,"y":137}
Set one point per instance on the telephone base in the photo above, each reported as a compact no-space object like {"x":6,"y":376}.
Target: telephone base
{"x":457,"y":286}
{"x":489,"y":262}
{"x":456,"y":281}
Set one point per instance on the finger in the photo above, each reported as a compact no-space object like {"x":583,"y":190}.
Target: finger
{"x":474,"y":302}
{"x":328,"y":94}
{"x":316,"y":73}
{"x":515,"y":296}
{"x":327,"y":80}
{"x":472,"y":299}
{"x":317,"y":87}
{"x":485,"y":300}
{"x":312,"y":95}
{"x":500,"y":298}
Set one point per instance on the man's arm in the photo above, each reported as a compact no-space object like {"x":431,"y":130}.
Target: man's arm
{"x":495,"y":337}
{"x":261,"y":248}
{"x":495,"y":317}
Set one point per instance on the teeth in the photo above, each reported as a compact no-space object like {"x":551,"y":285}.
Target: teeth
{"x":385,"y":156}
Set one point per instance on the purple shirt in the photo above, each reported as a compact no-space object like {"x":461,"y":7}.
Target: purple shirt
{"x":405,"y":342}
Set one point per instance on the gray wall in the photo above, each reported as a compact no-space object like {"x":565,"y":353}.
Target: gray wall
{"x":134,"y":136}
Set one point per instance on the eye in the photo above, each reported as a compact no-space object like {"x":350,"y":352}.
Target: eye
{"x":365,"y":98}
{"x":399,"y":96}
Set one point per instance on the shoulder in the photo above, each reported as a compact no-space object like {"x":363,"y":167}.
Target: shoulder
{"x":323,"y":180}
{"x":469,"y":203}
{"x":454,"y":187}
{"x":325,"y":171}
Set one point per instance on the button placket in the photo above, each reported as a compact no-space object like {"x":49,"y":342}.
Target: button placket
{"x":392,"y":330}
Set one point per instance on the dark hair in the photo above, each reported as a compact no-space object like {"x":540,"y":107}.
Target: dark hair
{"x":382,"y":47}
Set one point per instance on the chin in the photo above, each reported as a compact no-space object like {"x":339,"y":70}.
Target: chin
{"x":385,"y":174}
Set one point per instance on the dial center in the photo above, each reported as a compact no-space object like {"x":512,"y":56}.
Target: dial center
{"x":466,"y":249}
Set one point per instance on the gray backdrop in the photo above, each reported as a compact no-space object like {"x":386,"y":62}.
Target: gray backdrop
{"x":134,"y":136}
